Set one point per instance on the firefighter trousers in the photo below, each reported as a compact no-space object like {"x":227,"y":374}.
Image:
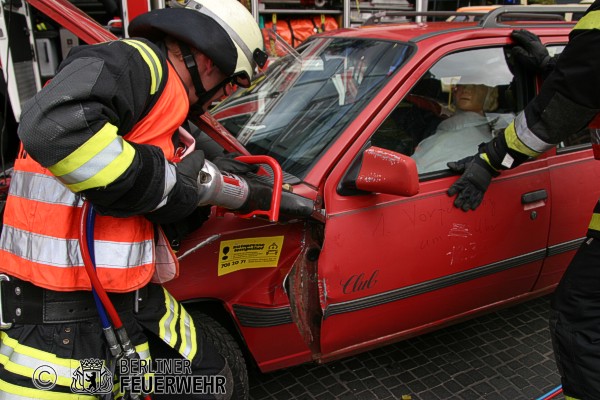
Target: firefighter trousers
{"x":575,"y":324}
{"x":44,"y":361}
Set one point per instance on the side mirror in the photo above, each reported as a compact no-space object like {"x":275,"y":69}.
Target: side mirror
{"x":382,"y":171}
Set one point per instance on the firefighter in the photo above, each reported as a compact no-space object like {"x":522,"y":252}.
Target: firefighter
{"x":107,"y":130}
{"x":566,"y":104}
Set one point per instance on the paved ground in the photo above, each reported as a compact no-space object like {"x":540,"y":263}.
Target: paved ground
{"x":504,"y":355}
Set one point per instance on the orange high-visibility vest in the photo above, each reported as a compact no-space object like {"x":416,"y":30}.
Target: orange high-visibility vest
{"x":42,"y":219}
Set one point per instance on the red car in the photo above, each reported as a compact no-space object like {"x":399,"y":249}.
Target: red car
{"x":385,"y":256}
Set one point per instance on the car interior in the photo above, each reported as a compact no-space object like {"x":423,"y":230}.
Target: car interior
{"x":430,"y":102}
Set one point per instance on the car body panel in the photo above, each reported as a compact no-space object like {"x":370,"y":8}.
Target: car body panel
{"x":393,"y":267}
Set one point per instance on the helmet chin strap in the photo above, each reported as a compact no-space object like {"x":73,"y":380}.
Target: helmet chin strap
{"x":202,"y":94}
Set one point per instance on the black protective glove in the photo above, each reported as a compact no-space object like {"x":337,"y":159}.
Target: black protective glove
{"x":529,"y":52}
{"x":470,"y":187}
{"x":259,"y":195}
{"x":189,"y":168}
{"x":259,"y":198}
{"x":228,"y":163}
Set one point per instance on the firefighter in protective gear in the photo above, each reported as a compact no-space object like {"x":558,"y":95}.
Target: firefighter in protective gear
{"x":107,"y":129}
{"x":567,"y":103}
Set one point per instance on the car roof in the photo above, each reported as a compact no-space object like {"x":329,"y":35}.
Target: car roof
{"x":543,"y":20}
{"x":417,"y":32}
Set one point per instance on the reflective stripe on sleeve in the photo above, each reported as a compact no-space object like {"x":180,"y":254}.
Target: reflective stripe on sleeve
{"x":167,"y":323}
{"x":521,"y":139}
{"x":589,"y":21}
{"x":170,"y":181}
{"x":187,"y":331}
{"x":63,"y":253}
{"x":595,"y":222}
{"x":152,"y":60}
{"x":96,"y":163}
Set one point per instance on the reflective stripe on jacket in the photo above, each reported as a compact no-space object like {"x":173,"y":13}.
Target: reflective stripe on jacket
{"x":39,"y":242}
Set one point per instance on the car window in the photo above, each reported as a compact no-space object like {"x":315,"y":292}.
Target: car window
{"x":462,"y":101}
{"x":302,"y":104}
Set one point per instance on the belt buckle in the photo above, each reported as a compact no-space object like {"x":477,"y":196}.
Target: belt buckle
{"x":3,"y":325}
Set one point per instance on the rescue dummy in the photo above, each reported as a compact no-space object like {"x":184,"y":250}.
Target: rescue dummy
{"x":456,"y":136}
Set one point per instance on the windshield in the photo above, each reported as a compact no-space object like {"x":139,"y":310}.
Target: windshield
{"x":302,"y":103}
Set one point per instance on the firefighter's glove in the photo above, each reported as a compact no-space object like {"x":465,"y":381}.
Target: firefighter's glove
{"x":228,"y":163}
{"x":458,"y":167}
{"x":189,"y":168}
{"x":259,"y":195}
{"x":259,"y":198}
{"x":471,"y":186}
{"x":529,"y":52}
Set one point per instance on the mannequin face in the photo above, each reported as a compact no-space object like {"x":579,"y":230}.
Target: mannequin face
{"x":470,"y":97}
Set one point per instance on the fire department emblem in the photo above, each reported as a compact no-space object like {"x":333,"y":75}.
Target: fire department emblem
{"x":92,"y":377}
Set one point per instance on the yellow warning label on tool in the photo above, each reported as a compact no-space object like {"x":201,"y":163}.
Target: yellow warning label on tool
{"x":260,"y":252}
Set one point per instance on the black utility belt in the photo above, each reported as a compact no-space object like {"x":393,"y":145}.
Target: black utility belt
{"x":24,"y":303}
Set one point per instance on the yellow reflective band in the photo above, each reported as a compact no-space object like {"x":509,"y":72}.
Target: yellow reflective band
{"x":194,"y":350}
{"x":110,"y":173}
{"x":143,"y":351}
{"x":173,"y":324}
{"x":485,"y":158}
{"x":163,"y":321}
{"x":86,"y":151}
{"x":182,"y":332}
{"x":28,"y":372}
{"x":29,"y":393}
{"x":514,"y":143}
{"x":590,"y":21}
{"x":36,"y":356}
{"x":117,"y":391}
{"x":33,"y":352}
{"x":152,"y":60}
{"x":169,"y":320}
{"x":188,"y":333}
{"x":595,"y":222}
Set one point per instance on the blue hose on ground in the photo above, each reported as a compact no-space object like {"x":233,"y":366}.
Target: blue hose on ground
{"x":551,"y":393}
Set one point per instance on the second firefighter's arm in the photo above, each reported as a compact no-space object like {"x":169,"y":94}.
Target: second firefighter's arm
{"x":567,"y":102}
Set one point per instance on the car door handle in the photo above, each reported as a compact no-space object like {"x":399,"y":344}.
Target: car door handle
{"x":533,"y":197}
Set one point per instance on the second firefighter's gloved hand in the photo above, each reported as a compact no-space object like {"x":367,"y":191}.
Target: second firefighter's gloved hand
{"x":458,"y":167}
{"x":471,"y":186}
{"x":259,"y":195}
{"x":529,"y":52}
{"x":228,"y":163}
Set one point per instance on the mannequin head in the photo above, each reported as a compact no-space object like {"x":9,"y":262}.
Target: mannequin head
{"x":475,"y":97}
